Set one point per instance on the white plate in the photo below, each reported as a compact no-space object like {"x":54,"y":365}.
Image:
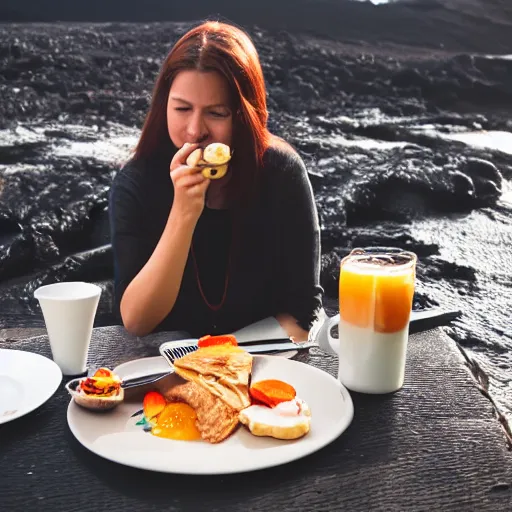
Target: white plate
{"x":141,"y":367}
{"x":27,"y":381}
{"x":115,"y":436}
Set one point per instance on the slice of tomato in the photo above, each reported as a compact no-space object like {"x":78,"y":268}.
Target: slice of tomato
{"x":223,"y":339}
{"x":272,"y":392}
{"x":103,"y":372}
{"x":153,"y":404}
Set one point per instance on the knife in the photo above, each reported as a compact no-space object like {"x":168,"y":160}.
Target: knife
{"x":144,"y":379}
{"x":426,"y":319}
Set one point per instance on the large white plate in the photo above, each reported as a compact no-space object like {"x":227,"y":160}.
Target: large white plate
{"x":27,"y":381}
{"x":114,"y":435}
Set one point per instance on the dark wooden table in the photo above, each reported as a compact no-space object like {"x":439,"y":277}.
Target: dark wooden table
{"x":435,"y":445}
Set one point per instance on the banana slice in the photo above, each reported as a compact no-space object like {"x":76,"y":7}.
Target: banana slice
{"x":215,"y":173}
{"x":195,"y":157}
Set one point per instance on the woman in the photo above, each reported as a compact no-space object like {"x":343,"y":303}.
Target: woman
{"x":212,"y":256}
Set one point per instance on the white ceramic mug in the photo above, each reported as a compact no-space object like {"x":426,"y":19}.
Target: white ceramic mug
{"x":376,"y":289}
{"x":69,"y":310}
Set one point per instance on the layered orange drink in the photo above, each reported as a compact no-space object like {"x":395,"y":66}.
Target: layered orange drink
{"x":376,"y":288}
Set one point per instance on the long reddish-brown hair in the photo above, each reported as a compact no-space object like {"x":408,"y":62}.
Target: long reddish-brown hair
{"x":228,"y":50}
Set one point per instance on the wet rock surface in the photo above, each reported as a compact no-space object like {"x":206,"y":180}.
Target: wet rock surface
{"x":382,"y":133}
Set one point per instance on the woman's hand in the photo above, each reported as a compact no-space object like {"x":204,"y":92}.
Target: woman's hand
{"x":189,"y":185}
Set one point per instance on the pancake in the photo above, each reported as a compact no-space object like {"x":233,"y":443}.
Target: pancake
{"x":223,"y":370}
{"x":215,"y":419}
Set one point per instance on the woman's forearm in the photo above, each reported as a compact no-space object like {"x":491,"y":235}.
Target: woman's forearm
{"x":151,"y":295}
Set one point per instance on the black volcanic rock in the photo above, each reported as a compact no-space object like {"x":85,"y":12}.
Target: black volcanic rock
{"x":486,"y":177}
{"x":456,"y":25}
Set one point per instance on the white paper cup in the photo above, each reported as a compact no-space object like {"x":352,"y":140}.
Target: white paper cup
{"x":69,"y":310}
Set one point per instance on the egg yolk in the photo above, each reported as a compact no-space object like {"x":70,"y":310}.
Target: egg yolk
{"x":177,"y":421}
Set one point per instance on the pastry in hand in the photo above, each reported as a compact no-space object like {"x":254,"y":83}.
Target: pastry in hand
{"x":213,"y":160}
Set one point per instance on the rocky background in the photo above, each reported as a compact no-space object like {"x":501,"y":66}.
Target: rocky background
{"x":402,"y":113}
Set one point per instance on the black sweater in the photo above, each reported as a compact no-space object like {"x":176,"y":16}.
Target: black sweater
{"x":274,"y":258}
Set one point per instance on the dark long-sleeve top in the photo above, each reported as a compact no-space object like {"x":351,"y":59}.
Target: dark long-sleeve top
{"x":271,"y":261}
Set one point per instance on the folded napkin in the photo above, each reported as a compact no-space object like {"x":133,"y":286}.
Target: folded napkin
{"x":266,"y":329}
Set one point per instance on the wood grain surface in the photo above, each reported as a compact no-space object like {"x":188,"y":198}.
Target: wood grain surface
{"x":434,"y":445}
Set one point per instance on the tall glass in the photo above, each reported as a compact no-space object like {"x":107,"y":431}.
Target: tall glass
{"x":376,"y":288}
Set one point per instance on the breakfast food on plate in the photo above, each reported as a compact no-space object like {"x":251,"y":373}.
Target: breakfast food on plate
{"x":206,"y":406}
{"x":175,"y":420}
{"x":287,"y":420}
{"x":188,"y":412}
{"x":277,"y":412}
{"x":217,"y":398}
{"x":272,"y":392}
{"x":222,"y":339}
{"x":102,"y":391}
{"x":215,"y":419}
{"x":213,"y":160}
{"x":153,"y":404}
{"x":223,"y":370}
{"x":104,"y":382}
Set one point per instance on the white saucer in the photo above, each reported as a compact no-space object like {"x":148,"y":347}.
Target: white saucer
{"x":27,"y":381}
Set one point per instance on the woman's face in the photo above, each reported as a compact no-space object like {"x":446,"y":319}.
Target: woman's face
{"x":198,"y":109}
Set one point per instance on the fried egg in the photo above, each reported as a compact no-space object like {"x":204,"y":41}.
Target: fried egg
{"x":287,"y":420}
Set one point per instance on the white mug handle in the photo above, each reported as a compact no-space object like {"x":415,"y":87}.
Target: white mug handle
{"x":323,"y":336}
